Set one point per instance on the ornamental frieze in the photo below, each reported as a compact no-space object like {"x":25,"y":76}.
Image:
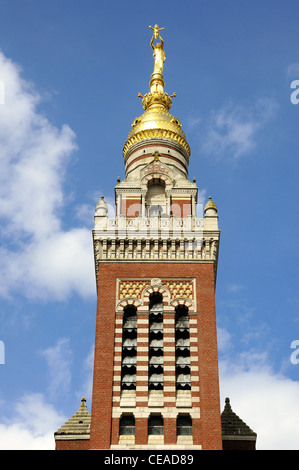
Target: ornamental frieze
{"x":134,"y":288}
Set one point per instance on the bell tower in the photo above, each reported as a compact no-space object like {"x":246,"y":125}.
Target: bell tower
{"x":155,"y":383}
{"x":156,"y":367}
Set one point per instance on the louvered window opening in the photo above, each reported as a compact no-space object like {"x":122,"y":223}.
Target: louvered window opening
{"x":182,"y":348}
{"x":155,"y":368}
{"x":129,"y":348}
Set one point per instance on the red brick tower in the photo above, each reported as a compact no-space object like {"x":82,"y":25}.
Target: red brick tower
{"x":156,"y":366}
{"x":155,"y":382}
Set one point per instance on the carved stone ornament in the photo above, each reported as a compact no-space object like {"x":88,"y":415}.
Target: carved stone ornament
{"x":155,"y":282}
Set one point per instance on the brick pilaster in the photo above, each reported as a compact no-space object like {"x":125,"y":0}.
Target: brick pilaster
{"x":142,"y":360}
{"x":169,"y":359}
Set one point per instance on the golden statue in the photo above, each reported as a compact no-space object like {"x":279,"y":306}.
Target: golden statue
{"x":159,"y":54}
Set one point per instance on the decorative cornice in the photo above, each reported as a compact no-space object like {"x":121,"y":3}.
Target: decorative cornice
{"x":168,"y":157}
{"x":153,"y":134}
{"x":156,"y":143}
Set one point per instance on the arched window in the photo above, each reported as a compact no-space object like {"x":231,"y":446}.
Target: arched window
{"x":184,"y":425}
{"x":127,"y":425}
{"x":156,"y":198}
{"x":155,"y":425}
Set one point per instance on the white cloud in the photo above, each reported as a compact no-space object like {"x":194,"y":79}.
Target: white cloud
{"x":59,"y":359}
{"x":233,"y":129}
{"x":85,"y":213}
{"x":267,"y":401}
{"x":30,"y":422}
{"x":32,"y":425}
{"x":49,"y":260}
{"x":50,"y":268}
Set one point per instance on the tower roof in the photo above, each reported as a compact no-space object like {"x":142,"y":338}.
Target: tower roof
{"x":210,"y":205}
{"x":78,"y":424}
{"x":156,"y":121}
{"x":232,"y":425}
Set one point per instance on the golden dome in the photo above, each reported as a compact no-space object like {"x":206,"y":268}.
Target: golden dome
{"x":156,"y":121}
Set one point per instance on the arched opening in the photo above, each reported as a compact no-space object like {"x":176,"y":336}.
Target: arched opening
{"x":155,"y":302}
{"x":184,"y":425}
{"x":155,"y":425}
{"x":156,"y":198}
{"x":127,"y":429}
{"x":184,"y":429}
{"x":127,"y":425}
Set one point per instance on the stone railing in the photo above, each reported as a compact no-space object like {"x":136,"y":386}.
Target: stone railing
{"x":165,"y":238}
{"x":143,"y":227}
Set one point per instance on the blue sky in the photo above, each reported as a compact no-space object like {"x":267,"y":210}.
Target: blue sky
{"x":70,"y":72}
